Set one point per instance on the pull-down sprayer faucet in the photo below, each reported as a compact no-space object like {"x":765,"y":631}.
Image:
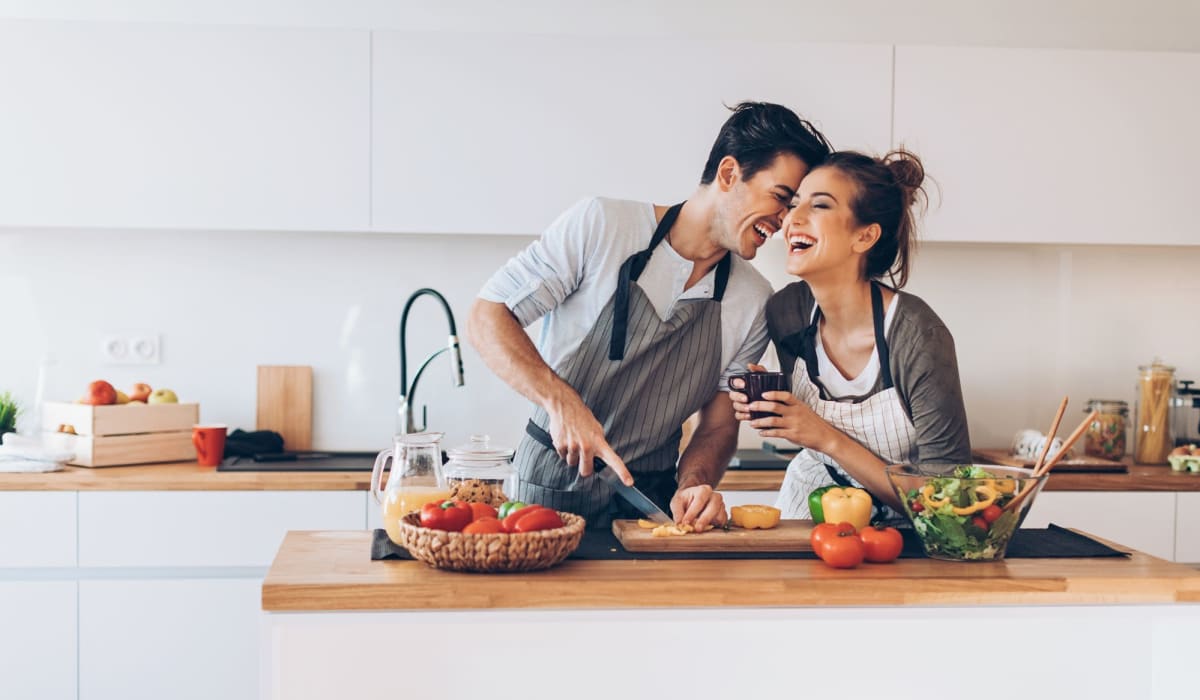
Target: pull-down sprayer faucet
{"x":405,"y":421}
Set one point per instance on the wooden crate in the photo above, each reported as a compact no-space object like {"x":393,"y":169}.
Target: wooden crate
{"x":134,"y":433}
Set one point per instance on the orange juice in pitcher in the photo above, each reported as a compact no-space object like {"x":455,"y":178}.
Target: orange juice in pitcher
{"x":414,"y":480}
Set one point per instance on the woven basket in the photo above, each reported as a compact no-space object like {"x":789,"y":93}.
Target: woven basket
{"x":492,"y":553}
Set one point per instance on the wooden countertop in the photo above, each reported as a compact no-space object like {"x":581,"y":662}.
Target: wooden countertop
{"x":188,"y":476}
{"x":333,"y":571}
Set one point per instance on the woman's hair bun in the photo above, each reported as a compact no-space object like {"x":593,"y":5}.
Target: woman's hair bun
{"x":907,"y":170}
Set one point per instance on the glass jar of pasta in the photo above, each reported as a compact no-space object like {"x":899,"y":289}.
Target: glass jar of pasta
{"x":1105,"y":436}
{"x":1152,"y":428}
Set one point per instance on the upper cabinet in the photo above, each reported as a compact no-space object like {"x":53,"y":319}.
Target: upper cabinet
{"x":111,"y":125}
{"x":499,"y":134}
{"x":1054,"y":146}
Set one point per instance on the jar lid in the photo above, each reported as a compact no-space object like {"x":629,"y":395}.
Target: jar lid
{"x":1106,"y":405}
{"x":480,"y":450}
{"x":1156,"y":366}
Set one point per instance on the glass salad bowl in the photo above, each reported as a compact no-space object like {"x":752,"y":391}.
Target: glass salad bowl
{"x":965,"y":512}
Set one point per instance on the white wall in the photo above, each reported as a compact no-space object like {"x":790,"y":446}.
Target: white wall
{"x":1163,"y":25}
{"x":1032,"y":322}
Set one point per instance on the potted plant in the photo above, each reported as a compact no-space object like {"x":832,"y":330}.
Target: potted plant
{"x":9,"y":410}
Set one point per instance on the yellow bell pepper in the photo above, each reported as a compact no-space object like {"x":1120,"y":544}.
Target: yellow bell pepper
{"x":1005,"y":485}
{"x":755,"y":517}
{"x":988,"y":497}
{"x":847,"y":505}
{"x":930,"y":502}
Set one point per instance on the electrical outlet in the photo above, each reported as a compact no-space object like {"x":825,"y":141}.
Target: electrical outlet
{"x":136,"y":348}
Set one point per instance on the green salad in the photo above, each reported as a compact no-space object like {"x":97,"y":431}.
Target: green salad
{"x":962,"y":515}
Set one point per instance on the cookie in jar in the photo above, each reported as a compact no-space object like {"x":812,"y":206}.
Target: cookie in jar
{"x":479,"y":472}
{"x":1105,"y":436}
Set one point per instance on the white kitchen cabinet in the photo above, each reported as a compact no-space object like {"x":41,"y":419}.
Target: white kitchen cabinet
{"x":37,"y":529}
{"x":200,"y":127}
{"x":205,"y":528}
{"x":1140,"y":520}
{"x":500,"y":133}
{"x":38,"y":649}
{"x":1187,"y":528}
{"x":181,"y":639}
{"x":1053,"y":146}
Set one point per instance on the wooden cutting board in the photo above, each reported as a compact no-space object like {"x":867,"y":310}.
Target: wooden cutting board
{"x":788,"y":536}
{"x":285,"y":403}
{"x":1074,"y":464}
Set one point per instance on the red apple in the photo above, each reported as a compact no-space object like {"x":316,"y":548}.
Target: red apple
{"x":100,"y":393}
{"x":140,"y":392}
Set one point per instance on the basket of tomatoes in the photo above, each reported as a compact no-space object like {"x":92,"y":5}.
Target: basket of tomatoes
{"x":463,"y":536}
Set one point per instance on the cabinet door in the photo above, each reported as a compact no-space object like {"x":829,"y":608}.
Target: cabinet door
{"x":205,"y":528}
{"x":499,"y":134}
{"x":1053,"y":146}
{"x":181,"y":639}
{"x":1143,"y":521}
{"x":1187,"y":528}
{"x":141,"y":125}
{"x":37,"y":528}
{"x":38,"y":642}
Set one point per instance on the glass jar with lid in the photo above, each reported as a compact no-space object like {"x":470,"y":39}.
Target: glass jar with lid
{"x":1152,"y":429}
{"x":479,"y":472}
{"x":1105,"y":436}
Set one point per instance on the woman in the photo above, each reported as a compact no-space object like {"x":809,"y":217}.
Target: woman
{"x":873,"y":371}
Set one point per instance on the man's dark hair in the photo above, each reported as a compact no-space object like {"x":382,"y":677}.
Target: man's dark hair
{"x":757,"y":133}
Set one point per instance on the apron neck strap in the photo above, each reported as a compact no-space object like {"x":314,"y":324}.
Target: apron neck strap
{"x":809,"y":342}
{"x":881,"y":346}
{"x":632,"y":269}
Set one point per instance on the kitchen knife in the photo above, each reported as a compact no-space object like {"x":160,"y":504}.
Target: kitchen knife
{"x":636,"y":498}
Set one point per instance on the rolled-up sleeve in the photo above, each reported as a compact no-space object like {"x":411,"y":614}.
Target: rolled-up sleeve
{"x":539,"y":278}
{"x":752,"y":350}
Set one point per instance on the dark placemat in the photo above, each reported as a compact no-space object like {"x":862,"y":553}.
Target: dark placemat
{"x":1051,"y":542}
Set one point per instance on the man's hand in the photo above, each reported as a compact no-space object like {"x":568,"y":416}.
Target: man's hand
{"x":579,"y":437}
{"x":698,"y":506}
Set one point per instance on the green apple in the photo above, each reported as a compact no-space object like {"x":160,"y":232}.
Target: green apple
{"x":162,"y":396}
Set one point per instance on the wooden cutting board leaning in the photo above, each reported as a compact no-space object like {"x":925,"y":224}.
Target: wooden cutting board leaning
{"x":285,"y":403}
{"x":788,"y":536}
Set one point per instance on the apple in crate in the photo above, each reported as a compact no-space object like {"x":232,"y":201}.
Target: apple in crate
{"x":140,"y":392}
{"x":162,"y":396}
{"x":122,"y":397}
{"x":100,"y":393}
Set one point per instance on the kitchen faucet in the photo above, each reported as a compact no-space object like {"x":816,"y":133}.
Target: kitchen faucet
{"x":405,"y":422}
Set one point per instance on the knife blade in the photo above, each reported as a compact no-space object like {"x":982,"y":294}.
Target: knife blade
{"x":636,"y":498}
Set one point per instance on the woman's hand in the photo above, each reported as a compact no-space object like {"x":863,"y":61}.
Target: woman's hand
{"x":796,"y":422}
{"x":740,"y":411}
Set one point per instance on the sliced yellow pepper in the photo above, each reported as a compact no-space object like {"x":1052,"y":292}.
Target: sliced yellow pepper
{"x":989,"y":497}
{"x":930,"y":502}
{"x":755,"y":517}
{"x":1005,"y":485}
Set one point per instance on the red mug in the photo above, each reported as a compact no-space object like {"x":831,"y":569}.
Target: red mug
{"x":210,"y":444}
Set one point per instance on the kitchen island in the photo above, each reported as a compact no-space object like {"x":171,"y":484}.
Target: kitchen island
{"x":336,"y":624}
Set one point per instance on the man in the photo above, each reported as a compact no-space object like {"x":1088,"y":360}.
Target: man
{"x":648,"y":310}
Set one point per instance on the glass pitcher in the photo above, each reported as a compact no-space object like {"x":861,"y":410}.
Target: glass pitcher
{"x":414,"y":479}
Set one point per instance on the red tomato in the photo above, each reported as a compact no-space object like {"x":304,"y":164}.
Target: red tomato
{"x":845,"y":551}
{"x":916,"y":506}
{"x":511,"y":519}
{"x":484,"y":526}
{"x":825,"y":532}
{"x":534,"y":519}
{"x":881,"y":545}
{"x":992,"y":513}
{"x":980,"y":523}
{"x":482,"y":510}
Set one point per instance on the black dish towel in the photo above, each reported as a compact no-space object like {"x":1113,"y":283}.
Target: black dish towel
{"x":240,"y":443}
{"x":1051,"y":542}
